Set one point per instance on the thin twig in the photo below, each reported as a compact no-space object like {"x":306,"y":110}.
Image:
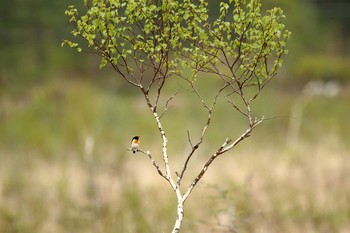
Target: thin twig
{"x":152,"y":160}
{"x":167,"y":107}
{"x":189,"y":138}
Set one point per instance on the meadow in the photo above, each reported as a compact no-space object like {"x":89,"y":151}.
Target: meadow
{"x":65,"y":168}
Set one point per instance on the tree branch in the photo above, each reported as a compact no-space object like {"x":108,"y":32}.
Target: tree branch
{"x":222,"y":149}
{"x":152,"y":160}
{"x":167,"y":107}
{"x":204,"y":130}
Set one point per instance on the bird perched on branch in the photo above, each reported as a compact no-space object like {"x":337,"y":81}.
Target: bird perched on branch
{"x":135,"y":143}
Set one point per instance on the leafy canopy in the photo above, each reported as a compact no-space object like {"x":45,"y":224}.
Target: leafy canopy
{"x":167,"y":34}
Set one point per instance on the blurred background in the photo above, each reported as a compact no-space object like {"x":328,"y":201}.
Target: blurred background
{"x":65,"y":126}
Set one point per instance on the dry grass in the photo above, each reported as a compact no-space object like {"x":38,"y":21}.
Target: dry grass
{"x":257,"y":190}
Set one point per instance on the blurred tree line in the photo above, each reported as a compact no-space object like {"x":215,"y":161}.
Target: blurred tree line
{"x":337,"y":15}
{"x":30,"y":35}
{"x":31,"y":32}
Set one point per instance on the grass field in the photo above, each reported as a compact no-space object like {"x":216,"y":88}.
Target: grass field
{"x":50,"y":182}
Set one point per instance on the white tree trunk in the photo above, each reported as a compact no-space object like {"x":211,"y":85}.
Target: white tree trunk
{"x":179,"y":217}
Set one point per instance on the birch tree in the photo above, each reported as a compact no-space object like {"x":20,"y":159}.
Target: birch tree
{"x":149,"y":42}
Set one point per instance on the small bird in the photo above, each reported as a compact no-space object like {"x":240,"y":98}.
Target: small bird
{"x":135,"y":143}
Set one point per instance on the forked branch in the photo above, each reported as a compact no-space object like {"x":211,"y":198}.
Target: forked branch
{"x":225,"y":147}
{"x":210,"y":109}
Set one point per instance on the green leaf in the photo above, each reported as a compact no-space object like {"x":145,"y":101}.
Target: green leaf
{"x":178,"y":36}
